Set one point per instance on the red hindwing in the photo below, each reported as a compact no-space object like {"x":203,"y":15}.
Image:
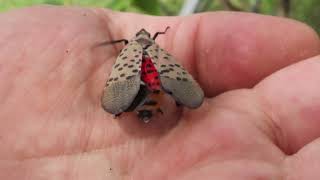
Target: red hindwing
{"x":149,"y":74}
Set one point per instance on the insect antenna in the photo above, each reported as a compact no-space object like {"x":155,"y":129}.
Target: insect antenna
{"x":112,"y":42}
{"x":157,"y":33}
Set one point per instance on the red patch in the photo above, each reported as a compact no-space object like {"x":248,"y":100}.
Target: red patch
{"x":149,"y":74}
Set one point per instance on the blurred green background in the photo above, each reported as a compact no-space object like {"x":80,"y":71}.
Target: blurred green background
{"x":307,"y":11}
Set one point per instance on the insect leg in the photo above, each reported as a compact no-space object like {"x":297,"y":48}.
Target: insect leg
{"x":116,"y":115}
{"x":159,"y":110}
{"x":178,"y":104}
{"x":157,"y":33}
{"x":145,"y":115}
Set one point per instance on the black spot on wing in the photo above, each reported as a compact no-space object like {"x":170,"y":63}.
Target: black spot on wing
{"x":164,"y":71}
{"x":129,"y":77}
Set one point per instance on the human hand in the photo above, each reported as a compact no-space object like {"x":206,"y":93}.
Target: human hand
{"x":264,"y":124}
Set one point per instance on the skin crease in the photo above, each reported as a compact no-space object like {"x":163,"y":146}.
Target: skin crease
{"x":259,"y":121}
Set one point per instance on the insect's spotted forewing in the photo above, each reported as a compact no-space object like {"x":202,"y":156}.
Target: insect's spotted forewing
{"x":175,"y":80}
{"x":124,"y":81}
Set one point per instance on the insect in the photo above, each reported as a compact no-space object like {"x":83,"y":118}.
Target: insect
{"x":142,"y":74}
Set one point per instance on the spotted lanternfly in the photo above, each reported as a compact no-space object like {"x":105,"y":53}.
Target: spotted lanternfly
{"x":142,"y":74}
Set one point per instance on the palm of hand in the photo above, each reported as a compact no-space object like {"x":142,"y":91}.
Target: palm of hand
{"x":52,"y":125}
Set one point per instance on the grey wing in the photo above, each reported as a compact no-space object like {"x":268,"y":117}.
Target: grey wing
{"x":124,"y":81}
{"x":175,"y":80}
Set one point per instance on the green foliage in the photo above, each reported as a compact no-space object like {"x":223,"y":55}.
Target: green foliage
{"x":150,"y":7}
{"x":53,"y":2}
{"x":306,"y":11}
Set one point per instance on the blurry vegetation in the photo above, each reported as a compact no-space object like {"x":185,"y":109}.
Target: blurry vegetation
{"x":307,"y":11}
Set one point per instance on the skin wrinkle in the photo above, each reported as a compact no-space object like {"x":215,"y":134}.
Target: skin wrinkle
{"x":60,"y":62}
{"x":51,"y":125}
{"x":258,"y":175}
{"x":5,"y":40}
{"x":88,"y":129}
{"x":68,"y":68}
{"x":195,"y":48}
{"x":96,"y":65}
{"x":285,"y":118}
{"x":269,"y":124}
{"x":20,"y":70}
{"x":50,"y":46}
{"x":238,"y":110}
{"x":104,"y":17}
{"x":271,"y":116}
{"x":269,"y":131}
{"x":86,"y":149}
{"x":191,"y":61}
{"x":9,"y":87}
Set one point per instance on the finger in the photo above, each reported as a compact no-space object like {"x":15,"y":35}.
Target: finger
{"x":292,"y":100}
{"x":225,"y":50}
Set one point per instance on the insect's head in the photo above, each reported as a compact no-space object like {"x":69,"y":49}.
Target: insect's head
{"x":142,"y":33}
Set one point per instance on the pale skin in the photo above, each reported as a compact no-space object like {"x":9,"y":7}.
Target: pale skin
{"x":260,"y":118}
